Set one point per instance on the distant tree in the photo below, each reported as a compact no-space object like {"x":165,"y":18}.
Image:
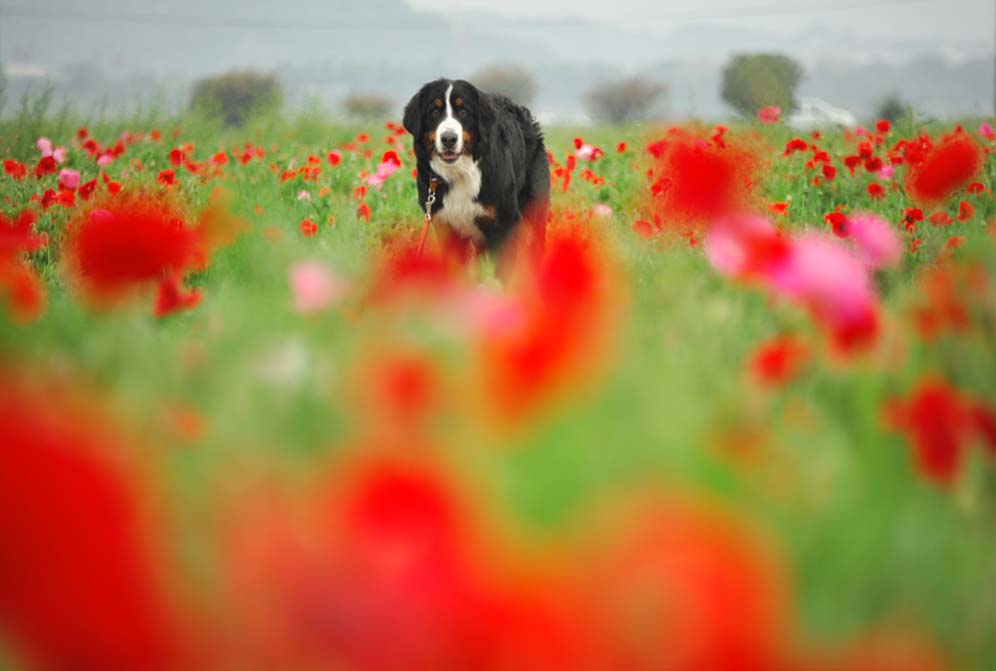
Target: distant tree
{"x":623,"y":101}
{"x":237,"y":95}
{"x":752,"y":81}
{"x":892,"y":108}
{"x":367,"y":106}
{"x":512,"y":81}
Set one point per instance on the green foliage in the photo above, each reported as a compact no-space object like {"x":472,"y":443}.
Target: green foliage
{"x":753,"y":81}
{"x":893,"y":108}
{"x":864,"y":539}
{"x":512,"y":81}
{"x":623,"y":101}
{"x":235,"y":96}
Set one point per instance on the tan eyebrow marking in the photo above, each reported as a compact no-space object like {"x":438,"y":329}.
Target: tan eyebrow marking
{"x":439,"y":102}
{"x":458,"y":102}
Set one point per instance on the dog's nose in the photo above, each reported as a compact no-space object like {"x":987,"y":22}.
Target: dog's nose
{"x":449,"y":139}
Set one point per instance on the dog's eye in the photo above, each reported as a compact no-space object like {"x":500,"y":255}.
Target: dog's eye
{"x":435,"y":113}
{"x":461,"y":112}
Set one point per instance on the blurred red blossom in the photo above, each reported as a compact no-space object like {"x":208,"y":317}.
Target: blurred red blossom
{"x":943,"y":169}
{"x":776,"y":361}
{"x":78,"y":587}
{"x":680,"y":585}
{"x":561,"y":324}
{"x":937,"y":419}
{"x":696,"y":179}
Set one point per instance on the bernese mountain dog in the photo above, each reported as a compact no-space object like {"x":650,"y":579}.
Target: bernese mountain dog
{"x":489,"y":163}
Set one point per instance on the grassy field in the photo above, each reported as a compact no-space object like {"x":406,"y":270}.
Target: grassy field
{"x":645,"y":486}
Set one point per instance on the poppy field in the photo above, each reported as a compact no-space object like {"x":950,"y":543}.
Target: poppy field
{"x":741,"y":415}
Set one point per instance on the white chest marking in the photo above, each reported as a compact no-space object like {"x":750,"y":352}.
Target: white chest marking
{"x":460,"y":206}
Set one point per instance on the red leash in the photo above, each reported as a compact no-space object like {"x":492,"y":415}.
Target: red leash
{"x":433,"y":183}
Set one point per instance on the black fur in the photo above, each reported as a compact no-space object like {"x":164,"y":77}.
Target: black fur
{"x":507,"y":144}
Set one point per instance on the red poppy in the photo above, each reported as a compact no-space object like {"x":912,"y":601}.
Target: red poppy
{"x":944,"y":169}
{"x":941,"y":218}
{"x":829,"y":171}
{"x":563,"y":312}
{"x":837,"y":221}
{"x":377,"y":577}
{"x":779,"y":208}
{"x":776,"y":361}
{"x":77,"y":588}
{"x":171,"y":297}
{"x":128,"y":241}
{"x":644,"y":229}
{"x":682,"y":586}
{"x":876,"y":191}
{"x":221,"y":158}
{"x":87,"y":189}
{"x":621,"y":147}
{"x":794,"y":145}
{"x":937,"y":423}
{"x":17,"y":235}
{"x":911,"y":217}
{"x":883,"y":126}
{"x":944,"y":306}
{"x":700,"y":181}
{"x":966,"y":211}
{"x":15,"y":169}
{"x":167,"y":177}
{"x":46,"y":166}
{"x":873,"y":164}
{"x":363,"y":212}
{"x":984,"y":418}
{"x":308,"y":227}
{"x":21,"y":289}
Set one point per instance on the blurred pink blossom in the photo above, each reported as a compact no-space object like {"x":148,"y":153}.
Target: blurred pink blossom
{"x":69,"y":179}
{"x":303,"y":195}
{"x":603,"y":210}
{"x":813,"y":270}
{"x":886,"y":172}
{"x":46,"y":149}
{"x":105,"y":159}
{"x":744,"y":245}
{"x":876,"y":242}
{"x":314,"y":287}
{"x":769,"y":114}
{"x":986,"y":131}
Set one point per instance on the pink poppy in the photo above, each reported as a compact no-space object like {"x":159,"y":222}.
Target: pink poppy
{"x":314,"y":287}
{"x":69,"y":179}
{"x":876,"y":243}
{"x":769,"y":114}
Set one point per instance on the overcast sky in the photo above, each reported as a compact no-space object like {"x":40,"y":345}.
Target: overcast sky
{"x":972,"y":20}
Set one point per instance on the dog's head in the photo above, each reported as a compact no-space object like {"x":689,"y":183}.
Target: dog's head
{"x":449,"y":119}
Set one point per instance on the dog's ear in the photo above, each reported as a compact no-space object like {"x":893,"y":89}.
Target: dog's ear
{"x":412,"y":120}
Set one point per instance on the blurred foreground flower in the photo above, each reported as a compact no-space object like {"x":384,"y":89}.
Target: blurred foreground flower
{"x":78,"y":585}
{"x":128,"y":242}
{"x":314,"y":287}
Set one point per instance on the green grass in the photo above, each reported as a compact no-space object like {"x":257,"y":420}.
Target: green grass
{"x":867,"y":540}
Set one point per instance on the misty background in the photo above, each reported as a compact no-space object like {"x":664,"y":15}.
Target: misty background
{"x":106,"y":56}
